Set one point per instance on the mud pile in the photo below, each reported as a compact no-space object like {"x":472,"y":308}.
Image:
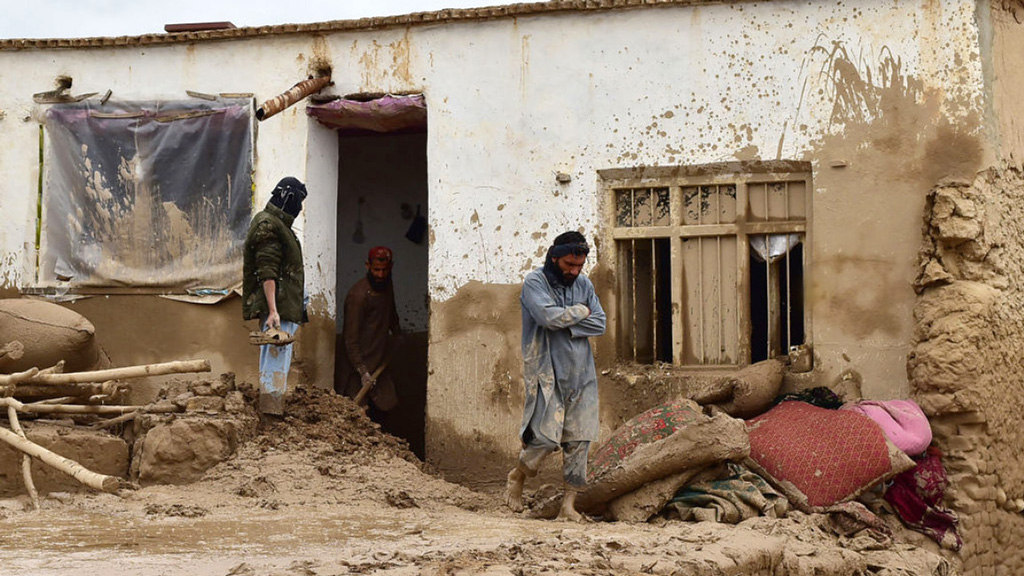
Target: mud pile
{"x":318,"y":419}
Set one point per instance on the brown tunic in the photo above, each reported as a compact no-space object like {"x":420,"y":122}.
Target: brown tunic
{"x":371,"y":319}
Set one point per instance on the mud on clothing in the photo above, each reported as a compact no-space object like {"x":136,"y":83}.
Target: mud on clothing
{"x":272,"y":252}
{"x":558,"y":368}
{"x":275,"y":361}
{"x":371,"y":321}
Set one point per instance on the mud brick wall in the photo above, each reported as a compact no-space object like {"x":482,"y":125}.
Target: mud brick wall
{"x":967,"y":366}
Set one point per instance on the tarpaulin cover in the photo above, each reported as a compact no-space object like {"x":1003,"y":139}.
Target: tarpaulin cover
{"x":386,"y":114}
{"x":147,"y":195}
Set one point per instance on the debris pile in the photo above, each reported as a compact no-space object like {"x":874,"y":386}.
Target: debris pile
{"x":315,"y":418}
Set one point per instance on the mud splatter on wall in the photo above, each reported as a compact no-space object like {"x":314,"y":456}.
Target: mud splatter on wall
{"x":1008,"y":84}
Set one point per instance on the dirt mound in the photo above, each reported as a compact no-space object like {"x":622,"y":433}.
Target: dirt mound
{"x":314,"y":417}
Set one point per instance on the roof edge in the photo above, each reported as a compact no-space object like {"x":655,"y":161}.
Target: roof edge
{"x":448,"y":15}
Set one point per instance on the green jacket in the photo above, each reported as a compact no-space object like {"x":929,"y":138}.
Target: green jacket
{"x":272,"y":251}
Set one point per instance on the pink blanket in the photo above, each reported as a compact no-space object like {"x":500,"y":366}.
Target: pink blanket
{"x":902,"y":421}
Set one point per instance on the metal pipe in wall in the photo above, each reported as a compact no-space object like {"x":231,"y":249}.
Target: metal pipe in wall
{"x":293,"y":95}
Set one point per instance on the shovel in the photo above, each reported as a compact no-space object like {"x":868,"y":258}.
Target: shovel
{"x":366,"y":387}
{"x":392,"y":346}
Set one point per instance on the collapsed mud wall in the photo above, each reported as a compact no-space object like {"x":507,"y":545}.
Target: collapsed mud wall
{"x":965,"y":365}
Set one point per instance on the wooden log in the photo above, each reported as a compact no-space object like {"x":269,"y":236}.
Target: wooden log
{"x":118,"y":420}
{"x":39,"y":392}
{"x":82,"y":392}
{"x":57,"y":368}
{"x":26,"y":460}
{"x":78,"y":408}
{"x":61,"y":400}
{"x":8,"y":380}
{"x":68,"y":466}
{"x":126,"y":372}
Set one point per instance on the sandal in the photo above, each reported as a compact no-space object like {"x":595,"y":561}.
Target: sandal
{"x":270,"y":336}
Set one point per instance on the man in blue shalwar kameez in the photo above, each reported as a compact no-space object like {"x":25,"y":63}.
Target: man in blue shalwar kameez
{"x":560,"y":312}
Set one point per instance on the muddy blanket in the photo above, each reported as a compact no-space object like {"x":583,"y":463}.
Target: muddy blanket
{"x":735,"y":496}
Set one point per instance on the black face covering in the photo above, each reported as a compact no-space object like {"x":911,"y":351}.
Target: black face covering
{"x":288,"y":196}
{"x":378,"y":286}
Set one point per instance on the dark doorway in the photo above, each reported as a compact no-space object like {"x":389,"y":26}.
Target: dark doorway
{"x":382,"y":201}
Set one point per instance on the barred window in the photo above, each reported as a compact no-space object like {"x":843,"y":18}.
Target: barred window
{"x":710,"y":261}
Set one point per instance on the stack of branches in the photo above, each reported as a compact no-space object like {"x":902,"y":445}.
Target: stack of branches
{"x":49,"y":391}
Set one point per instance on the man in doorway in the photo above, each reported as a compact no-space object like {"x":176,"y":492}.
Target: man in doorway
{"x":560,"y":311}
{"x":273,"y":286}
{"x":371,"y":330}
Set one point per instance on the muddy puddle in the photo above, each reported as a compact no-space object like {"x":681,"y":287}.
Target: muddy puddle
{"x":80,"y":531}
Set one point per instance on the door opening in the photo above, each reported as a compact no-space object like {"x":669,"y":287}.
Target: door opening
{"x":382,"y":201}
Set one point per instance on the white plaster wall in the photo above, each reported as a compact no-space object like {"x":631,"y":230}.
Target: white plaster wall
{"x":644,"y":87}
{"x":513,"y":101}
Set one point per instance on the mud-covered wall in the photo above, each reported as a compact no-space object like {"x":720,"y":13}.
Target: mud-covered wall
{"x":1007,"y":48}
{"x":136,"y":330}
{"x":966,"y":365}
{"x":966,"y":361}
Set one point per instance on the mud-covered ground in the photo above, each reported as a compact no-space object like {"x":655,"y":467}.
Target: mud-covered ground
{"x":324,"y":492}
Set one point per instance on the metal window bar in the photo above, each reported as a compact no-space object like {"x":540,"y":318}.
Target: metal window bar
{"x":718,"y":243}
{"x":632,"y":270}
{"x":767,"y":280}
{"x":654,"y":302}
{"x":789,"y":282}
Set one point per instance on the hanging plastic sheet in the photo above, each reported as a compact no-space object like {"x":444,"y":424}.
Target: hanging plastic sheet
{"x":146,"y":196}
{"x":775,"y":247}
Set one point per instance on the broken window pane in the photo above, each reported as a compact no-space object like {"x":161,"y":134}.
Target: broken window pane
{"x":770,"y":247}
{"x":147,"y":194}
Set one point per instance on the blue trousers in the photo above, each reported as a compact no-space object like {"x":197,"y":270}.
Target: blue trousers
{"x":275,"y":361}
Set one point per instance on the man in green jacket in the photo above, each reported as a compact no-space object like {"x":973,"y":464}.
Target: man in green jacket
{"x":273,"y":285}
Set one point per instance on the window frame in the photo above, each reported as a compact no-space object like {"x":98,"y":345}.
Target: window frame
{"x":675,"y":178}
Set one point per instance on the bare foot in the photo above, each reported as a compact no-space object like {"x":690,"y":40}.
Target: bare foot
{"x":514,"y":490}
{"x":568,"y":511}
